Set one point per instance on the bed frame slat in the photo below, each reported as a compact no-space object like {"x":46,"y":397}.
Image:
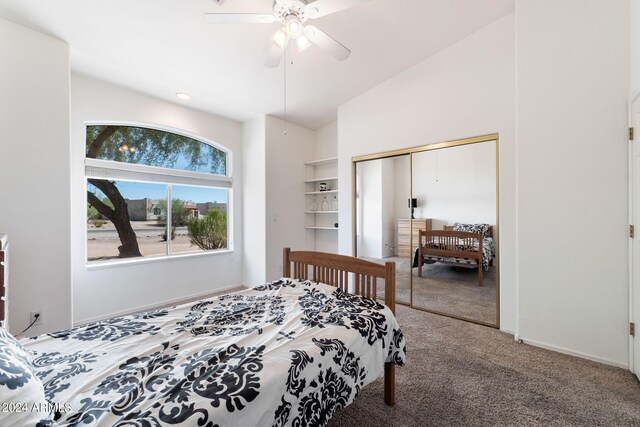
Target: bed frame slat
{"x":448,"y":243}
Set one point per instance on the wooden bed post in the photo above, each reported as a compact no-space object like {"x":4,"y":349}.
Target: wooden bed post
{"x":286,"y":264}
{"x":390,"y":301}
{"x":480,"y":259}
{"x":4,"y":268}
{"x":420,"y":234}
{"x":333,"y":270}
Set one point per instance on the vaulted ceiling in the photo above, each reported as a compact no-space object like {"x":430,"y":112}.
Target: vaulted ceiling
{"x":161,"y":47}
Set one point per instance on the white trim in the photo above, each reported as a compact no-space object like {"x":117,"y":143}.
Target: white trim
{"x":630,"y":173}
{"x":631,"y":195}
{"x":169,"y":221}
{"x":124,"y":262}
{"x":101,"y":169}
{"x":176,"y":301}
{"x":579,"y":354}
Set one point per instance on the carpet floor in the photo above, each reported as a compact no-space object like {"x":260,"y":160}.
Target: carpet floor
{"x":462,"y":374}
{"x":446,"y":289}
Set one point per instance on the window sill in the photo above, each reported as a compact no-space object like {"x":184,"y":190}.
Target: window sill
{"x":98,"y":265}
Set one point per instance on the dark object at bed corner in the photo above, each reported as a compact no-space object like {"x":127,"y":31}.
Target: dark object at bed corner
{"x":4,"y":246}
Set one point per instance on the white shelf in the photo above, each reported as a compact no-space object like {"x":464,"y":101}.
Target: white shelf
{"x":321,"y":212}
{"x":322,"y":162}
{"x":314,"y":227}
{"x":321,"y":192}
{"x":309,"y":181}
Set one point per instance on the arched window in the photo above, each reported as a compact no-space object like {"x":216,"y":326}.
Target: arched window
{"x":154,"y":193}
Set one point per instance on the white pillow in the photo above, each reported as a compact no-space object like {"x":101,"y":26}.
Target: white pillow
{"x":22,"y":399}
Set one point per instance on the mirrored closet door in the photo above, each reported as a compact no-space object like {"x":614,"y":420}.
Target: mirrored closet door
{"x":456,"y":190}
{"x":382,"y":217}
{"x":434,"y":211}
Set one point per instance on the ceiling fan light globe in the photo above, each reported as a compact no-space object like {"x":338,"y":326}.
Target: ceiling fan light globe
{"x":293,"y":27}
{"x":280,"y":39}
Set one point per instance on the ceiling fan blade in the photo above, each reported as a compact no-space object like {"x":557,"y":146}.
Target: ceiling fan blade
{"x":324,"y":41}
{"x":275,"y":56}
{"x":320,"y":8}
{"x":238,"y":18}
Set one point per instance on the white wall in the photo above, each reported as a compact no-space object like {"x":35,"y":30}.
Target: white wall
{"x":401,"y":193}
{"x":456,"y":184}
{"x":285,"y":199}
{"x":326,"y":144}
{"x":465,"y":90}
{"x":370,"y":240}
{"x":388,"y":219}
{"x":254,"y":198}
{"x":573,"y":84}
{"x":377,"y":186}
{"x":635,"y":47}
{"x":34,"y":175}
{"x":103,"y":292}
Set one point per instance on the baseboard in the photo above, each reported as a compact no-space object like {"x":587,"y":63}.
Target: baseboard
{"x":161,"y":304}
{"x":508,"y":331}
{"x":574,"y":353}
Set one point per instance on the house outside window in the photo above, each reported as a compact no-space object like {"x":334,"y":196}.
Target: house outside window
{"x":154,"y":193}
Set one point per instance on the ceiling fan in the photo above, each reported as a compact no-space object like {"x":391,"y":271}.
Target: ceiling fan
{"x":293,"y":14}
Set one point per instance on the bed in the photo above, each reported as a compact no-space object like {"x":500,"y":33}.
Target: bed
{"x":289,"y":352}
{"x":460,"y":244}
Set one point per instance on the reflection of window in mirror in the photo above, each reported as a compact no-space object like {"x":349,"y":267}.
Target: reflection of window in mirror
{"x":382,"y":188}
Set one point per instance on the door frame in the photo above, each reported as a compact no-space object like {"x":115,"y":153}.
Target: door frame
{"x":632,"y":281}
{"x":428,"y":147}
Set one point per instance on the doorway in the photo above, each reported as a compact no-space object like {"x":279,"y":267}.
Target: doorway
{"x":634,"y":290}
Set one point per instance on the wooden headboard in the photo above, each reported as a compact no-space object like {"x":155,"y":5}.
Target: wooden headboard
{"x":333,"y":270}
{"x":4,"y":274}
{"x":450,"y":227}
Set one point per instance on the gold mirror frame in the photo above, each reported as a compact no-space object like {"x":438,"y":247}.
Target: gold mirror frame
{"x":436,"y":146}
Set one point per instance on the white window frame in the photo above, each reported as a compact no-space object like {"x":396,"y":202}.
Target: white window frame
{"x":120,"y":171}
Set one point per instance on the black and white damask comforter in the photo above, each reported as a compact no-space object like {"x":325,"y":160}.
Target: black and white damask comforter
{"x":285,"y":353}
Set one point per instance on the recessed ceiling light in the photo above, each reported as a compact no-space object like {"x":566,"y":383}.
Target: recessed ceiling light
{"x":184,"y":96}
